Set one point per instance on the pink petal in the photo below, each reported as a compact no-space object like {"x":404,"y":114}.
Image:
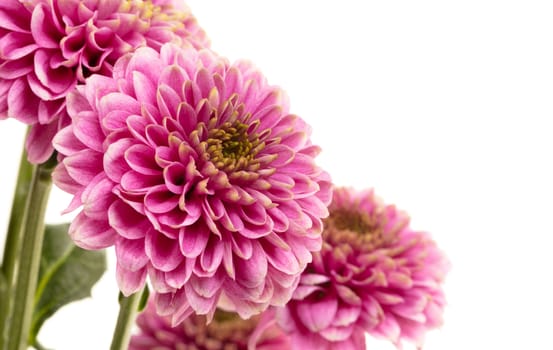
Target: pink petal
{"x":313,"y":278}
{"x":17,"y":68}
{"x":137,"y":126}
{"x":87,"y":130}
{"x":173,"y":77}
{"x":211,"y":257}
{"x":135,"y":182}
{"x":163,"y":252}
{"x":56,"y":82}
{"x":242,"y":247}
{"x":206,"y":287}
{"x":130,"y":282}
{"x":205,"y":82}
{"x":119,"y":102}
{"x":303,"y":292}
{"x":84,"y":165}
{"x":115,"y":165}
{"x":233,"y":82}
{"x":43,"y":29}
{"x":168,"y":101}
{"x":98,"y":197}
{"x":254,"y":214}
{"x":22,"y":103}
{"x":336,"y":334}
{"x":281,"y":223}
{"x":91,"y":234}
{"x":156,"y":135}
{"x":39,"y":142}
{"x":160,"y":200}
{"x":130,"y":254}
{"x":317,"y":315}
{"x":175,"y":177}
{"x":141,"y":159}
{"x":200,"y":304}
{"x":127,"y":221}
{"x":144,"y":88}
{"x":346,"y":315}
{"x":302,"y":164}
{"x":181,"y":274}
{"x":14,"y":16}
{"x":348,"y":295}
{"x":146,"y":60}
{"x":314,"y":206}
{"x":252,"y":272}
{"x":16,"y":45}
{"x":62,"y":179}
{"x":157,"y":280}
{"x":193,"y":240}
{"x":280,"y":259}
{"x":268,"y":116}
{"x":388,"y":328}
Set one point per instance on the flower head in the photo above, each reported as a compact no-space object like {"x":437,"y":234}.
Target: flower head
{"x":49,"y":46}
{"x":226,"y":331}
{"x":209,"y":184}
{"x":374,"y":274}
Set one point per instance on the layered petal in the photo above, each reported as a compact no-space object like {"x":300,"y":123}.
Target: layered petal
{"x":373,"y":275}
{"x":226,"y":331}
{"x":194,"y":180}
{"x":48,"y":47}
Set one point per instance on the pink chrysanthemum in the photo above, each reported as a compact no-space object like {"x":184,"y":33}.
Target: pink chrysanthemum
{"x":227,"y":331}
{"x":209,"y":184}
{"x":48,"y":46}
{"x":374,"y":274}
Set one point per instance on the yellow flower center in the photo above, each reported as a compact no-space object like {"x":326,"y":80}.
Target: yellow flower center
{"x":355,"y":221}
{"x":147,"y":11}
{"x":231,"y":147}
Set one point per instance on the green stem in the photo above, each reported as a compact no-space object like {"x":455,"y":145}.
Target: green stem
{"x":13,"y":246}
{"x":128,"y":308}
{"x":16,"y":217}
{"x":26,"y":274}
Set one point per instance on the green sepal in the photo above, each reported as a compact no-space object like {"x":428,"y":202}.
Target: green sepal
{"x":143,"y":298}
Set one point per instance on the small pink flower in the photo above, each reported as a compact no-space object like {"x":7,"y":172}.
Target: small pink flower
{"x":226,"y":331}
{"x":47,"y":47}
{"x":374,"y":274}
{"x":209,"y":184}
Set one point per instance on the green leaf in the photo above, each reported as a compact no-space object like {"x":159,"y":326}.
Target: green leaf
{"x":67,"y":273}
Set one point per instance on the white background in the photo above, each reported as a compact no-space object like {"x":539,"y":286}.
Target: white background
{"x":441,"y":106}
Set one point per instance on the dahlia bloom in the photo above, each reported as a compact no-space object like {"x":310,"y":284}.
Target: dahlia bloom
{"x":47,"y":47}
{"x":209,"y":184}
{"x":373,"y":274}
{"x":227,"y":331}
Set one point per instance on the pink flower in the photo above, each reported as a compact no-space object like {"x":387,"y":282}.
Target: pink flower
{"x":226,"y":331}
{"x":209,"y":184}
{"x":47,"y":47}
{"x":374,"y":274}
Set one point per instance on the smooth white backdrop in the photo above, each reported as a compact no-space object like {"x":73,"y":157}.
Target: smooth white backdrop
{"x":442,"y":106}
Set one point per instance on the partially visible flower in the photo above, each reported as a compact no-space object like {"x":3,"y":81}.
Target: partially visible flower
{"x":48,"y":46}
{"x":374,"y":274}
{"x":227,"y":331}
{"x":209,"y":184}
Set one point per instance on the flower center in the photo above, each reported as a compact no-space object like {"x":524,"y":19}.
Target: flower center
{"x":353,"y":221}
{"x":231,"y":148}
{"x":145,"y":9}
{"x":222,"y":316}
